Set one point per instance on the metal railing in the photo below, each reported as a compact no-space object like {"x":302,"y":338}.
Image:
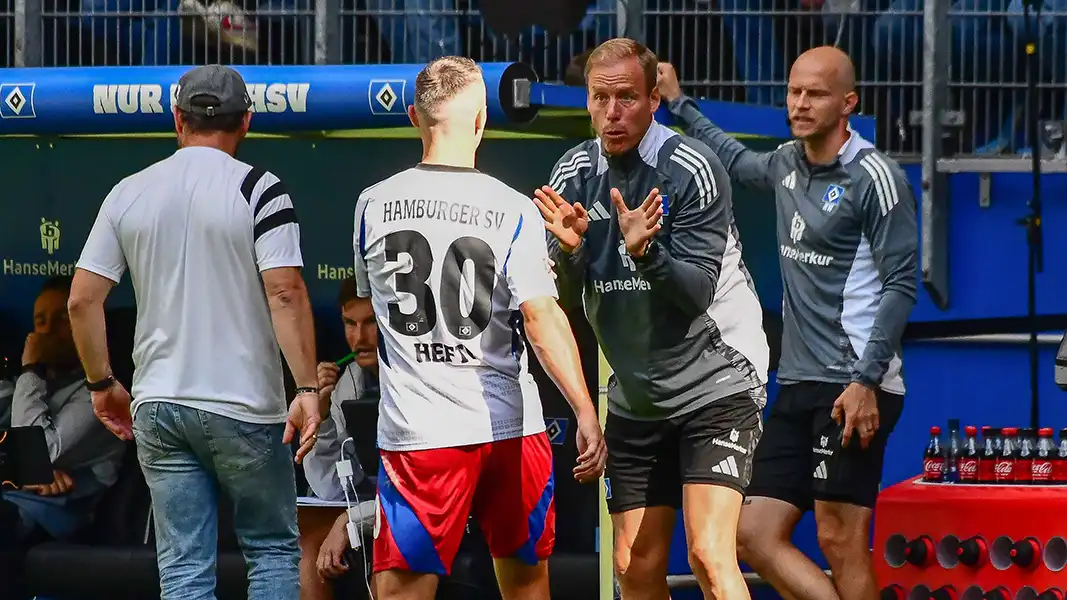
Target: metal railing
{"x":971,"y":75}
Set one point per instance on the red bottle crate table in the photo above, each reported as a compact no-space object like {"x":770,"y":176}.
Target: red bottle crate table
{"x":973,"y":538}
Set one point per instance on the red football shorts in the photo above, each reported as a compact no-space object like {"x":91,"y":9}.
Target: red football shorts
{"x":426,"y":496}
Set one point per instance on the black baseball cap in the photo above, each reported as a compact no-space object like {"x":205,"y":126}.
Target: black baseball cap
{"x":213,"y":90}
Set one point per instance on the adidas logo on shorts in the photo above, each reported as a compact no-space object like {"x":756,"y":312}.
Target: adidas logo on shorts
{"x":727,"y":466}
{"x":820,"y":471}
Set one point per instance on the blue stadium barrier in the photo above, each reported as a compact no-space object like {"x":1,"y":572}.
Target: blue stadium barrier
{"x":286,"y":99}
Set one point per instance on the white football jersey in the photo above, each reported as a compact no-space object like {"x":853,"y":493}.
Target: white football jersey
{"x":448,"y":255}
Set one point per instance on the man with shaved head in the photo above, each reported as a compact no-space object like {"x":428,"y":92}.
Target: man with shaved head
{"x":848,"y":241}
{"x":455,"y":262}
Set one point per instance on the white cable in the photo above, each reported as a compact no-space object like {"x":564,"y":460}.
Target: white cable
{"x":344,"y":473}
{"x":356,"y":540}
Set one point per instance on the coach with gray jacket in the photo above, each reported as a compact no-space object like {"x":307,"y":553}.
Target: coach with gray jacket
{"x":848,"y":242}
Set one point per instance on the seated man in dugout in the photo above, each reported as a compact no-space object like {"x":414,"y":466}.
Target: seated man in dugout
{"x":324,"y":541}
{"x":50,"y":393}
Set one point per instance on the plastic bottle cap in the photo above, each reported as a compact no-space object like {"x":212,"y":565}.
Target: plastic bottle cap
{"x":1045,"y":432}
{"x":935,"y":430}
{"x":970,"y":430}
{"x":1010,"y":431}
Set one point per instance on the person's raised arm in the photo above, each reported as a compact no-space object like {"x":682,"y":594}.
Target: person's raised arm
{"x":891,"y":226}
{"x":745,"y":166}
{"x":276,"y":234}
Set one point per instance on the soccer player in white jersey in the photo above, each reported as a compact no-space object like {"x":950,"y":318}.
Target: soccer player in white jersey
{"x":453,"y":259}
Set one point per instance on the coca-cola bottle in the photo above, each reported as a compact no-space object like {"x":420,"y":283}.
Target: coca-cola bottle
{"x":1059,"y":467}
{"x":934,"y":458}
{"x":1024,"y":457}
{"x":1004,"y":468}
{"x":969,"y":456}
{"x":952,"y":453}
{"x":988,"y":458}
{"x":998,"y":439}
{"x":1044,"y":457}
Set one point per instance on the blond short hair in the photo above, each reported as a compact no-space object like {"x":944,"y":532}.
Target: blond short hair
{"x":617,"y":50}
{"x":441,"y":81}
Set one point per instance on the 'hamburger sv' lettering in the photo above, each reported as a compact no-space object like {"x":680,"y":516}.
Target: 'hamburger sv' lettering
{"x":453,"y":212}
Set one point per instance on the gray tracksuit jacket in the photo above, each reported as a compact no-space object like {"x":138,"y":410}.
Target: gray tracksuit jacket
{"x":681,"y":327}
{"x":848,"y":244}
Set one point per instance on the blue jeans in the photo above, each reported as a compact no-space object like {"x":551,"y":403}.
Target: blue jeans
{"x":188,"y":456}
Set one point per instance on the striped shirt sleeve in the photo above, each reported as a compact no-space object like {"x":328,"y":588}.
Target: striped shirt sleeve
{"x":744,"y":165}
{"x":275,"y":230}
{"x":565,"y":175}
{"x":686,"y":267}
{"x":890,"y":224}
{"x":566,"y":180}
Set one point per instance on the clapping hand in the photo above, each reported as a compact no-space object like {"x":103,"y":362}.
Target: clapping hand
{"x":640,"y":224}
{"x":568,"y":222}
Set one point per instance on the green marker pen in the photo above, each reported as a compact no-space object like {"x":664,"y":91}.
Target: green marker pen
{"x":344,"y":360}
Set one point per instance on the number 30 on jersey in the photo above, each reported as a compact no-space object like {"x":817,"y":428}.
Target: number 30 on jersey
{"x":424,"y":318}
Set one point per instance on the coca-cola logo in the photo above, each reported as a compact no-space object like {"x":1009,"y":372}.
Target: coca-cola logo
{"x":1041,"y":468}
{"x":1003,"y":468}
{"x":934,"y":466}
{"x":969,"y":467}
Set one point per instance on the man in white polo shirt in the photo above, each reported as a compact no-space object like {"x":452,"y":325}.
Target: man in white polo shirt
{"x":213,"y":249}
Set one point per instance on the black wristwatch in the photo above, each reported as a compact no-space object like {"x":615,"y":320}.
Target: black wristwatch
{"x":100,"y":386}
{"x":306,"y":390}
